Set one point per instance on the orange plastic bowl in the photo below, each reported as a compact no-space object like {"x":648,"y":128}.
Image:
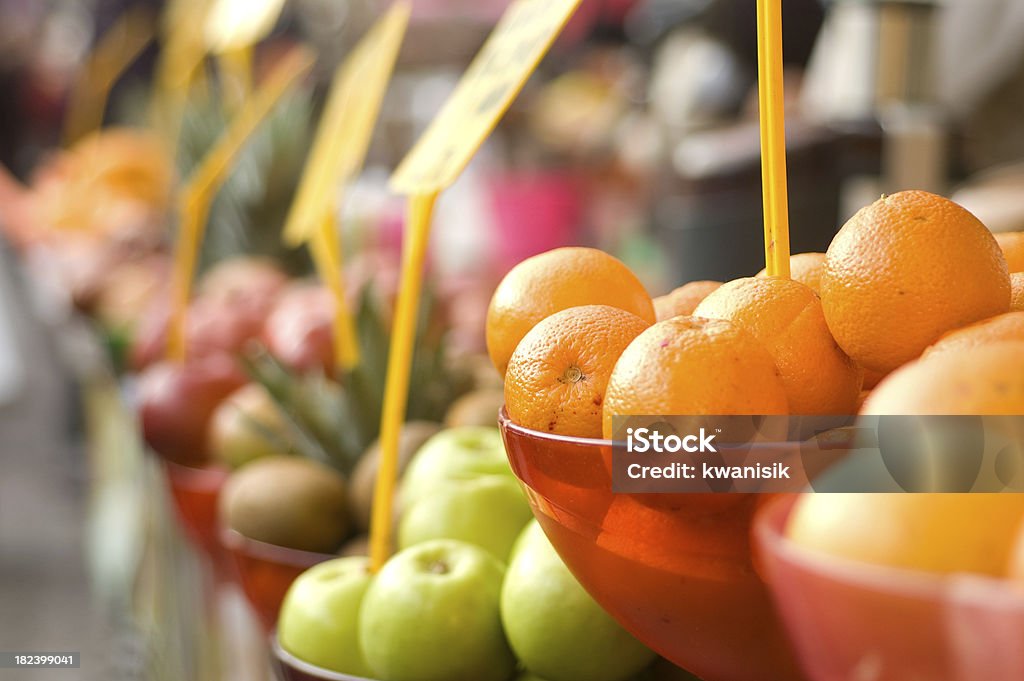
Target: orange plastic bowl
{"x":850,"y":620}
{"x":196,"y":492}
{"x":674,"y":569}
{"x":265,"y":571}
{"x":291,"y":668}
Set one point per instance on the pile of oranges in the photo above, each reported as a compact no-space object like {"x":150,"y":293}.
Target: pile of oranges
{"x":916,"y":308}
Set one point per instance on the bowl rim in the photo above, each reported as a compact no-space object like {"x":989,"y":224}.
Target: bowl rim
{"x":903,"y":582}
{"x":235,"y":541}
{"x":505,"y":422}
{"x":284,"y":657}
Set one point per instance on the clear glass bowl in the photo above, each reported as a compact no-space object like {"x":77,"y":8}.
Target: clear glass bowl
{"x":676,"y":570}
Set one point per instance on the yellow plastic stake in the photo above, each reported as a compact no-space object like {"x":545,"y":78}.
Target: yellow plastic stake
{"x":181,"y":58}
{"x":396,"y":388}
{"x":773,"y":137}
{"x":206,"y":180}
{"x":343,"y":136}
{"x":512,"y":52}
{"x":116,"y":50}
{"x":236,"y":76}
{"x":326,"y":250}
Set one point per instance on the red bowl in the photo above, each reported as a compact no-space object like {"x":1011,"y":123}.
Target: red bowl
{"x":674,"y":569}
{"x":196,"y":492}
{"x":850,"y":620}
{"x":291,"y":668}
{"x":265,"y":571}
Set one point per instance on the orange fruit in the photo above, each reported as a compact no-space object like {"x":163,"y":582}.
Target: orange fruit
{"x":1005,"y":327}
{"x":939,"y":533}
{"x":1017,"y":291}
{"x":872,"y":378}
{"x":553,"y":281}
{"x":987,"y":379}
{"x":557,"y":376}
{"x":683,"y":300}
{"x":1012,"y":244}
{"x":786,"y":317}
{"x":805,"y":268}
{"x":688,"y":365}
{"x":905,"y":270}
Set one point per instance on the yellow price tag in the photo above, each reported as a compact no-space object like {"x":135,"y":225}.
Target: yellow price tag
{"x":116,"y":50}
{"x":350,"y":115}
{"x":236,"y":24}
{"x":510,"y":55}
{"x":208,"y":177}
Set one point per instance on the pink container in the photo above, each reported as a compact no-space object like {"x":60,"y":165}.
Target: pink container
{"x":534,"y":212}
{"x":855,"y":621}
{"x":196,"y":493}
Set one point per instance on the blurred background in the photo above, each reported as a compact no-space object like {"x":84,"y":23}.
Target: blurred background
{"x":638,"y":135}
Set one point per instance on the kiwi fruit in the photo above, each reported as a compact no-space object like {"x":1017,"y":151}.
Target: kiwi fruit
{"x":477,"y":408}
{"x":364,"y":476}
{"x":288,"y":501}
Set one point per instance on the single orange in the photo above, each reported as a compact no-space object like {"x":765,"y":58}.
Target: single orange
{"x":938,"y":533}
{"x":872,"y":378}
{"x":786,"y":317}
{"x":1012,"y":244}
{"x":982,"y":380}
{"x":905,"y":270}
{"x":684,"y":299}
{"x":805,"y":268}
{"x":557,"y":376}
{"x":1005,"y":327}
{"x":1017,"y":292}
{"x":691,"y":366}
{"x":553,"y":281}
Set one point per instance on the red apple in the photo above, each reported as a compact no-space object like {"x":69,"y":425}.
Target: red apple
{"x":176,"y":402}
{"x":298,"y":331}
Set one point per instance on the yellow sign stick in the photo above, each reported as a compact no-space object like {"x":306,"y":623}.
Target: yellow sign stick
{"x":510,"y":55}
{"x":497,"y":74}
{"x":326,"y":249}
{"x":206,"y":180}
{"x":344,"y":134}
{"x":119,"y":47}
{"x":235,"y":24}
{"x":181,"y":57}
{"x":773,"y":137}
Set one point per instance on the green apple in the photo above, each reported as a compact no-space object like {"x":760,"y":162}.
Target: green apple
{"x":432,"y":614}
{"x":319,"y":620}
{"x":453,"y":454}
{"x":247,"y":425}
{"x":489,"y":511}
{"x":555,"y":628}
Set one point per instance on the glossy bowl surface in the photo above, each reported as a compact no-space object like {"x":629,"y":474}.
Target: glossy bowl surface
{"x":266,"y":571}
{"x":290,"y":668}
{"x":850,"y":620}
{"x":196,"y":493}
{"x":676,"y":570}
